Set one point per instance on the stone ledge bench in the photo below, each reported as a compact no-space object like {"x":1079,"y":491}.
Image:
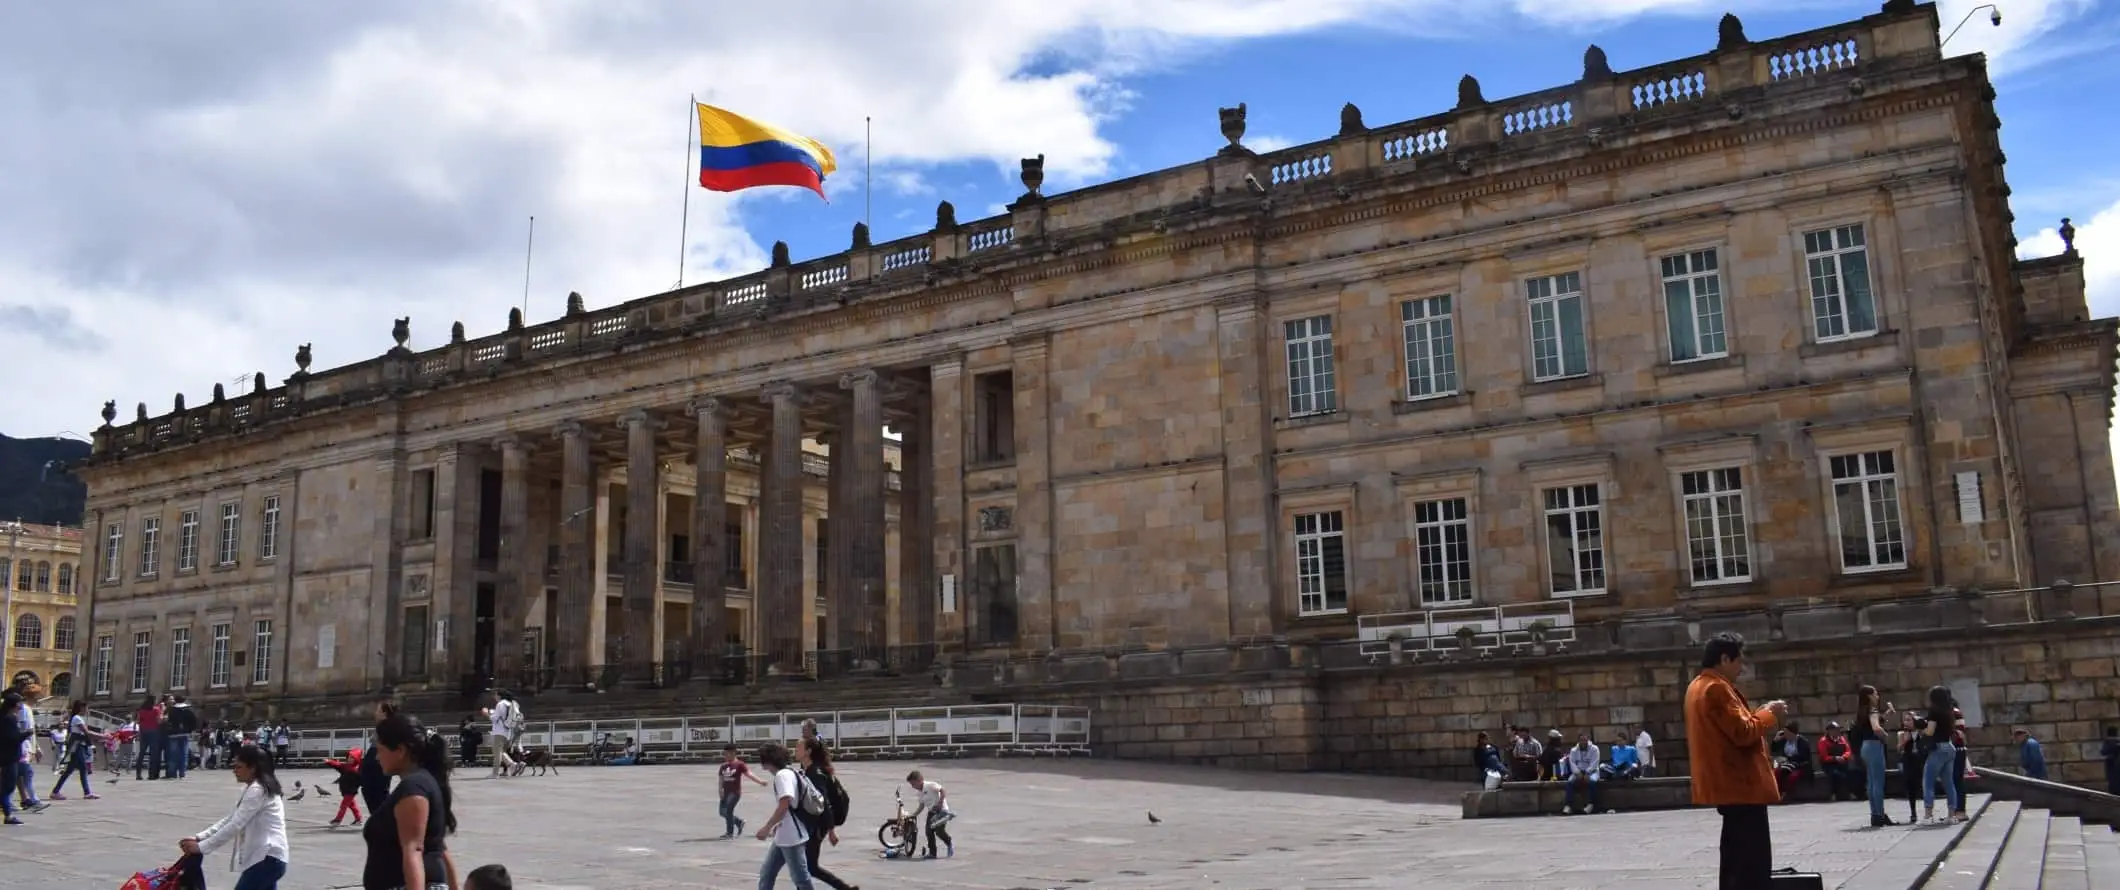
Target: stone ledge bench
{"x":1657,"y":793}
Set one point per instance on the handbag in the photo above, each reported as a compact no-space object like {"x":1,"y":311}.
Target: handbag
{"x":185,"y":874}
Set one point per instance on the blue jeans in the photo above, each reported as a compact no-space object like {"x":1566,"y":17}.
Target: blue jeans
{"x":1938,"y":769}
{"x":26,"y":782}
{"x":147,"y":757}
{"x":265,"y":874}
{"x":8,"y":777}
{"x":1873,"y":775}
{"x":178,"y":756}
{"x":729,"y":823}
{"x":76,"y":765}
{"x":1588,"y":784}
{"x":795,"y":858}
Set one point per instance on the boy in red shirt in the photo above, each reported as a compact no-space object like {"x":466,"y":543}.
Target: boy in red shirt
{"x":733,"y":772}
{"x":349,"y":783}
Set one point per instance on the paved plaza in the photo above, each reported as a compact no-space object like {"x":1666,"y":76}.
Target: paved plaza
{"x":1021,"y":824}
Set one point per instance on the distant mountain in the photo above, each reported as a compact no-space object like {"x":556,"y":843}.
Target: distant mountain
{"x":34,"y":483}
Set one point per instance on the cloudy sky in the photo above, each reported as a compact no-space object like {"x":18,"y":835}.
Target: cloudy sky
{"x":191,"y":188}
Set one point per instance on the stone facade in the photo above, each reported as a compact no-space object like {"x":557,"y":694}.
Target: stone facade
{"x":1709,"y":342}
{"x":40,"y":571}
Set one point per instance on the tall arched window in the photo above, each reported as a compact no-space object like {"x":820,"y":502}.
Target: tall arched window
{"x":7,"y":576}
{"x":44,"y":577}
{"x":63,"y":686}
{"x":63,"y":634}
{"x":29,"y":632}
{"x":22,"y":573}
{"x":66,"y":577}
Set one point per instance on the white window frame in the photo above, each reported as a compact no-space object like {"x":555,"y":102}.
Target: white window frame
{"x":1585,"y":521}
{"x":1693,"y":292}
{"x":1711,"y":500}
{"x":179,"y":657}
{"x":150,"y":546}
{"x":143,"y":660}
{"x":1308,"y":350}
{"x":1326,"y":527}
{"x":261,"y":652}
{"x":1827,"y":254}
{"x":217,"y":666}
{"x":188,"y":541}
{"x":1439,"y":525}
{"x":1547,"y":298}
{"x":1883,"y":527}
{"x":99,"y":672}
{"x":114,"y":553}
{"x":1429,"y":328}
{"x":231,"y":540}
{"x":269,"y":529}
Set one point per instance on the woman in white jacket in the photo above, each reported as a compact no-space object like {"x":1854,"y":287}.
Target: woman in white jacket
{"x":257,"y":829}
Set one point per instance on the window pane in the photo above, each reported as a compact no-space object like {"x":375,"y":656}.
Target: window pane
{"x":1560,"y":552}
{"x":1854,"y":525}
{"x":1678,"y":307}
{"x":1575,"y":354}
{"x":1855,"y":277}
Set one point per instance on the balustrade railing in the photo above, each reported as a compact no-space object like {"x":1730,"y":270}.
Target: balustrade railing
{"x":1811,"y":58}
{"x":747,"y":295}
{"x":990,"y":238}
{"x":1667,"y":88}
{"x":1312,"y":164}
{"x":1541,"y":115}
{"x":825,"y":277}
{"x":908,"y":257}
{"x":1424,"y":139}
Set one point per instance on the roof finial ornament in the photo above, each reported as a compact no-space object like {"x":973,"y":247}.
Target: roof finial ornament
{"x":1033,"y":175}
{"x":515,"y":318}
{"x":456,"y":332}
{"x":180,"y":403}
{"x":140,"y":412}
{"x":2068,"y":237}
{"x":401,"y":331}
{"x":110,"y":411}
{"x":1469,"y":92}
{"x":1233,"y":129}
{"x":780,"y":254}
{"x":219,"y":395}
{"x":574,"y":303}
{"x":1351,"y":120}
{"x":1595,"y":65}
{"x":257,"y":384}
{"x":1730,"y":34}
{"x":945,"y":216}
{"x":861,"y":236}
{"x":301,"y":359}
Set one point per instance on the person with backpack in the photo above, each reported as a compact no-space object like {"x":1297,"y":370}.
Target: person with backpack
{"x":792,"y":794}
{"x":817,"y":768}
{"x":507,"y":719}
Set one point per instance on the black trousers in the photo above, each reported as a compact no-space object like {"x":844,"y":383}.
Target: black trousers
{"x":815,"y":848}
{"x":1747,"y":848}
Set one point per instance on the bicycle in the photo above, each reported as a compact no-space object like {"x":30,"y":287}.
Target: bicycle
{"x":900,"y":836}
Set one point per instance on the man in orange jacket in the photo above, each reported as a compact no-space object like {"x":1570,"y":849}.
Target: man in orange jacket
{"x":1727,"y":740}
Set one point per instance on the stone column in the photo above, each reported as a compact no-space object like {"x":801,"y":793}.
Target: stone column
{"x":577,"y":526}
{"x":946,"y":522}
{"x":916,"y":546}
{"x":386,"y":616}
{"x":710,"y":463}
{"x":838,"y":568}
{"x":780,"y":546}
{"x":1034,"y":499}
{"x":510,"y":596}
{"x":451,"y":588}
{"x":859,"y":597}
{"x":1248,"y":484}
{"x":643,"y":491}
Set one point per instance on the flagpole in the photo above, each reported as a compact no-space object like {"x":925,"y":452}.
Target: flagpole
{"x":529,"y":247}
{"x":691,"y":154}
{"x":868,"y":157}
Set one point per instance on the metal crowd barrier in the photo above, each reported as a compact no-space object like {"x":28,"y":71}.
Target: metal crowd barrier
{"x":874,"y":733}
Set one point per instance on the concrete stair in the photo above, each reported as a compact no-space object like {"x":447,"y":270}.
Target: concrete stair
{"x":2010,"y":846}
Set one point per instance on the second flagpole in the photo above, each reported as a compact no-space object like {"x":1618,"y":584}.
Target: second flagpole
{"x":691,"y":155}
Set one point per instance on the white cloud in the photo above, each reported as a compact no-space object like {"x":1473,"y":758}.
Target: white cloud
{"x":2031,"y":33}
{"x":1268,"y":142}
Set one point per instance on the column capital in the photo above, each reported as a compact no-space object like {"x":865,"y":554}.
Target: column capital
{"x":865,"y":377}
{"x":948,"y":364}
{"x":569,"y":429}
{"x":508,"y":442}
{"x":637,"y":416}
{"x":703,"y":406}
{"x":778,"y":390}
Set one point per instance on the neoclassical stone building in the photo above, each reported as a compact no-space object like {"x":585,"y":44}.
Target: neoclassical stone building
{"x":1708,"y":337}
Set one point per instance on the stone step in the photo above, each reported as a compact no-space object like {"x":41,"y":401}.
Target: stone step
{"x":2101,"y":857}
{"x":2065,"y":866}
{"x":2024,"y":854}
{"x":1969,"y":864}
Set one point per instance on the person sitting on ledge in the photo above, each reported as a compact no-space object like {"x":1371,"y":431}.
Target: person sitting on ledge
{"x":1836,"y":758}
{"x":1581,"y":764}
{"x":1486,"y":758}
{"x":1549,"y":761}
{"x":1524,"y":754}
{"x":1626,"y":761}
{"x":1792,"y":758}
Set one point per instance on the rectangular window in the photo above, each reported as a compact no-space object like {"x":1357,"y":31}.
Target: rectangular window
{"x":188,"y":541}
{"x":1321,"y":563}
{"x":1866,"y":511}
{"x":1442,"y":532}
{"x":1559,"y":345}
{"x":732,"y":573}
{"x":994,"y":594}
{"x":414,"y":635}
{"x":150,"y":546}
{"x":217,"y":663}
{"x":1693,"y":306}
{"x":1716,"y":540}
{"x":143,"y":649}
{"x":99,"y":675}
{"x":113,"y":552}
{"x":179,"y":657}
{"x":422,"y":504}
{"x":1575,"y":541}
{"x":269,"y":529}
{"x":994,"y":417}
{"x":1431,"y":347}
{"x":261,"y":652}
{"x":1842,"y":304}
{"x":231,"y":533}
{"x":1311,"y":389}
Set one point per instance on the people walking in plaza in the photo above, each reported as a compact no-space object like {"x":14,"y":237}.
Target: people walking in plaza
{"x":817,"y":768}
{"x":2030,"y":755}
{"x":1867,"y":738}
{"x":507,"y":722}
{"x":349,"y":785}
{"x":790,"y":839}
{"x":934,"y":800}
{"x":257,"y":828}
{"x":407,"y":836}
{"x":25,"y":721}
{"x":179,"y":721}
{"x":732,"y":774}
{"x":1941,"y":755}
{"x":1726,"y":741}
{"x":11,"y":754}
{"x":282,"y":737}
{"x":147,"y":745}
{"x":80,"y":746}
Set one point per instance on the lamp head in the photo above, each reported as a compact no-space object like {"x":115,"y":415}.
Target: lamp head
{"x":1995,"y":16}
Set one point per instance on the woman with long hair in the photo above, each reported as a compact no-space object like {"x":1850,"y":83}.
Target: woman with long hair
{"x":80,"y":746}
{"x":1866,"y":732}
{"x":1936,"y":737}
{"x":817,"y":767}
{"x":257,"y":827}
{"x":406,"y":836}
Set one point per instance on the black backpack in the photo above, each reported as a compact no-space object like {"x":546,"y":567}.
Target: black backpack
{"x":11,"y":737}
{"x":835,"y":794}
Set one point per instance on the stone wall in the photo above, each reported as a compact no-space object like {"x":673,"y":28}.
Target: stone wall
{"x":2057,"y":679}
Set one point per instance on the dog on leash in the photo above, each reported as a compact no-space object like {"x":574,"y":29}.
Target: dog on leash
{"x":540,"y":760}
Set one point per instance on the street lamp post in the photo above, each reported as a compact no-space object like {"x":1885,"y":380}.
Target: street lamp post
{"x":1994,"y":18}
{"x":14,"y":532}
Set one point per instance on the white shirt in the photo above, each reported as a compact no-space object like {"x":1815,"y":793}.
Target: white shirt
{"x":1583,"y":760}
{"x":503,"y":713}
{"x":1646,"y":746}
{"x":787,"y":787}
{"x":258,"y":827}
{"x":931,"y":798}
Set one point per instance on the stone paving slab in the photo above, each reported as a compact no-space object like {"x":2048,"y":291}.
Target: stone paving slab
{"x":1022,"y":825}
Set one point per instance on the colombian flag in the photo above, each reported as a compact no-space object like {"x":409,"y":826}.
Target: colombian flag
{"x":736,"y":152}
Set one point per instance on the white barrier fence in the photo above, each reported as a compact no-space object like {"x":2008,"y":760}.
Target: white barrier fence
{"x":955,"y":731}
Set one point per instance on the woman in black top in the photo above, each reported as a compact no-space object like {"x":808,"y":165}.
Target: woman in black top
{"x":1866,"y":733}
{"x":405,"y":836}
{"x":1935,"y":738}
{"x":817,"y":767}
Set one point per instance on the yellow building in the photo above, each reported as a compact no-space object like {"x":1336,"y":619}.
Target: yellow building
{"x":40,"y":568}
